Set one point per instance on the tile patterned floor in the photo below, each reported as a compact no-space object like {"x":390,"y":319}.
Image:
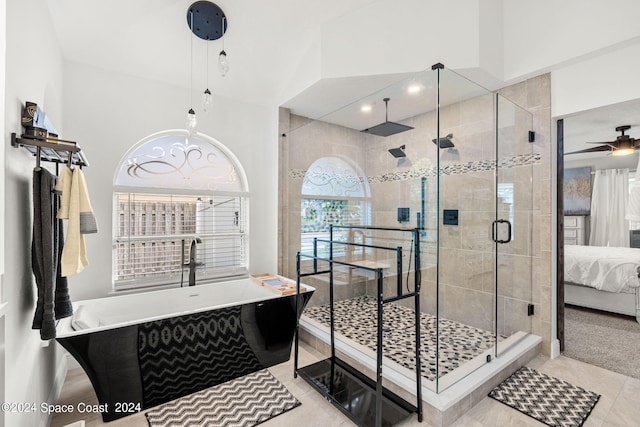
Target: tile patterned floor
{"x":356,"y":319}
{"x":617,"y":407}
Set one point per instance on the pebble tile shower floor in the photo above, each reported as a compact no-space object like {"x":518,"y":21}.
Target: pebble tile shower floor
{"x":356,"y":319}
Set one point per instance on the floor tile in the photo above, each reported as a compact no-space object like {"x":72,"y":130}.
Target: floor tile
{"x":618,"y":405}
{"x":625,"y":411}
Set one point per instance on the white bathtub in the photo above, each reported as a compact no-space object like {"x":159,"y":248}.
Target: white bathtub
{"x":152,"y":347}
{"x":118,"y":311}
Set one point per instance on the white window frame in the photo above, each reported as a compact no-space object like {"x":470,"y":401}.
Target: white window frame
{"x":335,"y":180}
{"x":235,"y":239}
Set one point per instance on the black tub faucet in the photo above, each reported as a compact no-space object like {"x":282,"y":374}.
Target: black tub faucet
{"x":192,"y":261}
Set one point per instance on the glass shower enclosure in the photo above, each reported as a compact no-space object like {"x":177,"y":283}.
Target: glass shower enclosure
{"x":437,"y":154}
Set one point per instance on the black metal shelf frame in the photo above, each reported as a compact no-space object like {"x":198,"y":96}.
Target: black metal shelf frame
{"x":382,"y":395}
{"x":51,"y":150}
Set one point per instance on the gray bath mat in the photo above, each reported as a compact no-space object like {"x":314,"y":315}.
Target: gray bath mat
{"x":547,"y":399}
{"x":245,"y":401}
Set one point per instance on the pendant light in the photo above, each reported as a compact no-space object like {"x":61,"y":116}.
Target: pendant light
{"x":192,"y":120}
{"x":207,"y":21}
{"x":223,"y":61}
{"x":207,"y":98}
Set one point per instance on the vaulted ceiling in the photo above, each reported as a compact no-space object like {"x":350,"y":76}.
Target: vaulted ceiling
{"x":151,"y":39}
{"x":265,"y":42}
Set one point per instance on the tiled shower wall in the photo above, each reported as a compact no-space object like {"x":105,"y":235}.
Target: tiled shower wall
{"x":535,"y":96}
{"x":467,"y":261}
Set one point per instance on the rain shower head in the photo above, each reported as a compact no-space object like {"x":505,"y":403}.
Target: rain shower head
{"x":445,"y":142}
{"x":398,"y":152}
{"x":387,"y":128}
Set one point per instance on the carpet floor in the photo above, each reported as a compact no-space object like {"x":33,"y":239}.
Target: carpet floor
{"x":607,"y":340}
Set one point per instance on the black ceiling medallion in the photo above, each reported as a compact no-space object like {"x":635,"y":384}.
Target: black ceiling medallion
{"x":208,"y":22}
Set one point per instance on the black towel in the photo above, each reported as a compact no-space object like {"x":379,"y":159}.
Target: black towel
{"x":46,"y":247}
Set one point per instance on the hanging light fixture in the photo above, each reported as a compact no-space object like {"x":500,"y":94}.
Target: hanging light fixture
{"x":207,"y":21}
{"x":223,"y":61}
{"x":207,"y":98}
{"x":192,"y":120}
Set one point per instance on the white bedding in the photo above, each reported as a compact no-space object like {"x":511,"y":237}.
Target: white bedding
{"x":604,"y":268}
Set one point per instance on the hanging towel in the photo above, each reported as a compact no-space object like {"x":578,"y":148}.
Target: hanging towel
{"x":88,"y":224}
{"x":81,"y":221}
{"x":46,"y":246}
{"x":63,"y":187}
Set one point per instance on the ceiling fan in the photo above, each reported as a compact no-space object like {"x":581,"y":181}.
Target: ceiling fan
{"x":622,"y":146}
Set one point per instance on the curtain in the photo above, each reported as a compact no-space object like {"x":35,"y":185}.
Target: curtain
{"x":633,"y":208}
{"x":608,"y":208}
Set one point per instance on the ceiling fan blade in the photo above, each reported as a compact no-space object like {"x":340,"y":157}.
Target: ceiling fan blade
{"x":593,"y":149}
{"x":602,"y":142}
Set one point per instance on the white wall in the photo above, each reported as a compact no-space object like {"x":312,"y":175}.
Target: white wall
{"x":592,"y":49}
{"x":3,"y":44}
{"x":107,"y":113}
{"x":33,"y":73}
{"x":606,"y":79}
{"x":391,"y":36}
{"x":540,"y":35}
{"x":491,"y":37}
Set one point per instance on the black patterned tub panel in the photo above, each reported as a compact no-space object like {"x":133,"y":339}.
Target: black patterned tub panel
{"x":154,"y":362}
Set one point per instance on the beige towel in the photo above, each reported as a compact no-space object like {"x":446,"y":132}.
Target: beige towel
{"x":63,"y":187}
{"x":74,"y":257}
{"x":88,"y":223}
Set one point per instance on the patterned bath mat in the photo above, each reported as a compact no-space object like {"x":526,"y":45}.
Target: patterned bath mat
{"x":245,"y":401}
{"x":547,"y":399}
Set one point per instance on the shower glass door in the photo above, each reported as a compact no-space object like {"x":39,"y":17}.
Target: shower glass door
{"x":484,"y":216}
{"x":514,"y":220}
{"x":466,"y":292}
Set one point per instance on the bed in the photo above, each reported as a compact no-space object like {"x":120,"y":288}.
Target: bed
{"x":603,"y":278}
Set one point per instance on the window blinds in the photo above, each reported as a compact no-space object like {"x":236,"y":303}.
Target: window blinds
{"x":153,"y":235}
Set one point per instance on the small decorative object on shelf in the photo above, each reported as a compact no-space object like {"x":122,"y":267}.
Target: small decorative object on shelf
{"x":34,"y":132}
{"x":32,"y":116}
{"x":43,"y":143}
{"x":278,"y":284}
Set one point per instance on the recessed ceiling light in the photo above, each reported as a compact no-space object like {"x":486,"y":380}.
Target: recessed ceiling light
{"x":366,"y":108}
{"x":414,"y":88}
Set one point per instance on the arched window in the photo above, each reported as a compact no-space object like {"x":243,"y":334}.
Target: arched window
{"x":334,"y":192}
{"x":173,"y":189}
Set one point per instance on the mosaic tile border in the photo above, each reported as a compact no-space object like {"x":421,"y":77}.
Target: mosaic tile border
{"x":455,"y":169}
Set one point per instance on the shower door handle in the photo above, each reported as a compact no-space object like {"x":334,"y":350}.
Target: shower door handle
{"x":494,"y":230}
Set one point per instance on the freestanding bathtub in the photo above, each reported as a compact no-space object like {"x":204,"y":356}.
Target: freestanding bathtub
{"x":143,"y":349}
